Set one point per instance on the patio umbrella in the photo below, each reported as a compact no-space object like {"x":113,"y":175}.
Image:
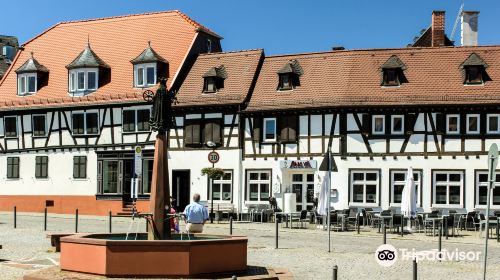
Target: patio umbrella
{"x":323,"y":195}
{"x":409,"y":197}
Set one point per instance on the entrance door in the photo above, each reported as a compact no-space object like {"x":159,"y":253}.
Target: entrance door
{"x":181,"y":189}
{"x":128,"y":173}
{"x":303,"y":187}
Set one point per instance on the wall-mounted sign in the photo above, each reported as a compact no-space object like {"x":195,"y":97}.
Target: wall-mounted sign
{"x":298,"y":164}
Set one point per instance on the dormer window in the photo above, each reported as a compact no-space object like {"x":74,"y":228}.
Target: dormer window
{"x":289,"y":75}
{"x":393,"y":72}
{"x":213,"y":79}
{"x":149,"y":67}
{"x":474,"y":70}
{"x":86,"y":73}
{"x":30,"y":77}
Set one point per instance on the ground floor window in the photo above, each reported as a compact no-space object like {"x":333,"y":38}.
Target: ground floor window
{"x":482,"y":189}
{"x":41,"y":167}
{"x":80,"y":167}
{"x":258,"y":185}
{"x":109,"y":176}
{"x":222,"y":187}
{"x":398,"y":181}
{"x":448,"y":187}
{"x":364,"y":187}
{"x":13,"y":167}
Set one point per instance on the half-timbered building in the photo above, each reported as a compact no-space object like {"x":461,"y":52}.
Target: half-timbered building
{"x":72,"y":109}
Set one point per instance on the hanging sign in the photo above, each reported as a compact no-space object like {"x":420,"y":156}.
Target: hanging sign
{"x":138,"y":161}
{"x":298,"y":164}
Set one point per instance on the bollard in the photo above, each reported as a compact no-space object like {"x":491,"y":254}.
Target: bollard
{"x":358,"y":223}
{"x":15,"y":217}
{"x":45,"y":220}
{"x":335,"y":270}
{"x":440,"y":234}
{"x":110,"y":222}
{"x":231,"y":225}
{"x":415,"y":269}
{"x":276,"y":226}
{"x":385,"y":233}
{"x":76,"y":220}
{"x":498,"y":229}
{"x":446,"y":226}
{"x":234,"y":277}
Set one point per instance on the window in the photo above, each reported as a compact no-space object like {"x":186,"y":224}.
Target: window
{"x":136,"y":120}
{"x":398,"y":181}
{"x":285,"y":82}
{"x":128,"y":124}
{"x":39,"y":125}
{"x":198,"y":132}
{"x":41,"y":166}
{"x":109,"y":176}
{"x":474,"y":74}
{"x":390,"y":77}
{"x":269,"y":130}
{"x":222,"y":187}
{"x":473,"y":122}
{"x":209,"y":45}
{"x":10,"y":126}
{"x":212,"y":131}
{"x":209,"y":85}
{"x":453,"y":124}
{"x":364,"y":187}
{"x":378,"y":124}
{"x":27,"y":83}
{"x":12,"y":167}
{"x":482,"y":190}
{"x":258,"y":185}
{"x":147,"y":175}
{"x":80,"y":167}
{"x":85,"y":123}
{"x":192,"y":132}
{"x":397,"y":124}
{"x":492,"y":122}
{"x":83,"y":80}
{"x":448,"y":188}
{"x":145,"y":74}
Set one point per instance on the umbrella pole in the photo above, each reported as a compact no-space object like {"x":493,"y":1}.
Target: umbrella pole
{"x":329,"y":198}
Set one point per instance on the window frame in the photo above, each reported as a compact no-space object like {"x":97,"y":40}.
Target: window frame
{"x":374,"y":117}
{"x":221,"y":182}
{"x":281,"y":85}
{"x":448,"y":183}
{"x":44,"y":125}
{"x":41,"y":166}
{"x":478,"y":123}
{"x":80,"y":164}
{"x":480,"y":70}
{"x":258,"y":181}
{"x":264,"y":130}
{"x":6,"y":135}
{"x":393,"y":117}
{"x":136,"y":120}
{"x":207,"y":81}
{"x":364,"y":182}
{"x":392,"y":182}
{"x":385,"y":78}
{"x":85,"y":125}
{"x":25,"y":83}
{"x":448,"y":117}
{"x":145,"y":76}
{"x":74,"y":83}
{"x":488,"y":123}
{"x":18,"y":165}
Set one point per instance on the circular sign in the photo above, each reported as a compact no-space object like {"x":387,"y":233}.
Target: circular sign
{"x":386,"y":255}
{"x":213,"y":157}
{"x":138,"y":149}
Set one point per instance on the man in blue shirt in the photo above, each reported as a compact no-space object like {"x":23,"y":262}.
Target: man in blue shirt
{"x":196,"y":215}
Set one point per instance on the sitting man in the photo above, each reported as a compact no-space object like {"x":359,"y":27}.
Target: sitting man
{"x":196,"y":215}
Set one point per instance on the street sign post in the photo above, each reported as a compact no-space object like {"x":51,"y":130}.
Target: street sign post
{"x":134,"y":191}
{"x":492,"y":165}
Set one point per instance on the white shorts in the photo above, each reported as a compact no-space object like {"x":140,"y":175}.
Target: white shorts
{"x":194,"y":228}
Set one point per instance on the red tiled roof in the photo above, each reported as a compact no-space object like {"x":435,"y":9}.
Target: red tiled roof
{"x":240,"y":68}
{"x":352,"y":78}
{"x":116,"y":40}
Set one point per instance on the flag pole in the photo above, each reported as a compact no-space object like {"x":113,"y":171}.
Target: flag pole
{"x":329,"y":197}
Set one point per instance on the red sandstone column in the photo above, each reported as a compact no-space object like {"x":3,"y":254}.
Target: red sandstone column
{"x":160,"y":192}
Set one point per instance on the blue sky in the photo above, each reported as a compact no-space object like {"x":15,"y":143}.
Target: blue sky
{"x":278,"y":26}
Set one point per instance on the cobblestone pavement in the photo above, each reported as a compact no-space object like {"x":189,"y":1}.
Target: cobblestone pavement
{"x":303,"y":251}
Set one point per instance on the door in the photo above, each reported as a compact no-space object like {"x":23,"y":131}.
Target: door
{"x":303,"y":187}
{"x":128,"y":175}
{"x":181,"y":189}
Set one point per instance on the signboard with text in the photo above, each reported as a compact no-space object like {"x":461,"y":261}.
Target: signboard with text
{"x":298,"y":164}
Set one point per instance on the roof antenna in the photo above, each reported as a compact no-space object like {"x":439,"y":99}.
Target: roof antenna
{"x":149,"y":44}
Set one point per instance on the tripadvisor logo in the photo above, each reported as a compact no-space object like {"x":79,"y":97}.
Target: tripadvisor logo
{"x":386,"y":255}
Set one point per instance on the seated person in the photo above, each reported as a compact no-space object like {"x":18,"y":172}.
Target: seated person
{"x":174,"y":221}
{"x":196,"y":215}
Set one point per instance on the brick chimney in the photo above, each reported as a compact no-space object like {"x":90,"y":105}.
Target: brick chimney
{"x":438,"y":29}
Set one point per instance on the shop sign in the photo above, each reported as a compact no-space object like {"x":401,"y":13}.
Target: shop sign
{"x":298,"y":164}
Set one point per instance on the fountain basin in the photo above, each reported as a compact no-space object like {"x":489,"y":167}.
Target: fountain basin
{"x":111,"y":255}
